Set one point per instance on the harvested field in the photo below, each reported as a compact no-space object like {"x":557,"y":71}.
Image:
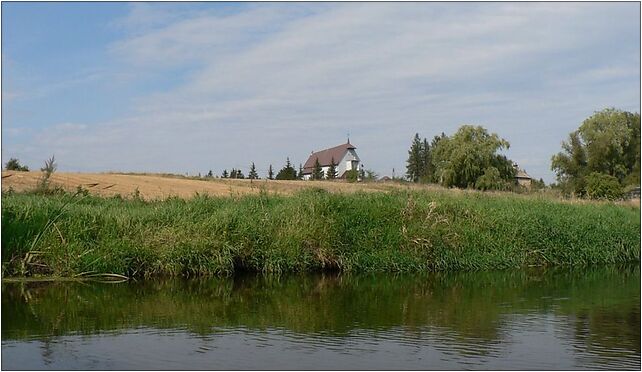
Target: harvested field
{"x":155,"y":186}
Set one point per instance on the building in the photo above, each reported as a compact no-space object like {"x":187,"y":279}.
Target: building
{"x":522,"y":178}
{"x":345,"y":159}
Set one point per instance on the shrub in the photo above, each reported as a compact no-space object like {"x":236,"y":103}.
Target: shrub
{"x":352,"y":175}
{"x":603,"y":186}
{"x":14,"y":165}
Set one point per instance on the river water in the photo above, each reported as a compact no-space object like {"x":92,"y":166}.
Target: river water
{"x":586,"y":318}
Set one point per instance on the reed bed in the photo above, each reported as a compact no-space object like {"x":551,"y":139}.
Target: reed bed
{"x":313,"y":230}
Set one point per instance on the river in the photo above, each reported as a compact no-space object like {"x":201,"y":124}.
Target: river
{"x":583,"y":318}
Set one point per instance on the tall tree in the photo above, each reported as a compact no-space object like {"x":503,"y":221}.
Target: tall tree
{"x":426,"y":163}
{"x":299,"y":175}
{"x":466,"y":156}
{"x":210,"y":174}
{"x":225,"y":174}
{"x":287,"y":173}
{"x":414,"y":162}
{"x":608,"y":142}
{"x":270,"y":173}
{"x":252,"y":174}
{"x":317,"y":172}
{"x":332,"y":170}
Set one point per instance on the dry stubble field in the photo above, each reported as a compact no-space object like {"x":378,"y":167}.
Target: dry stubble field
{"x":154,"y":186}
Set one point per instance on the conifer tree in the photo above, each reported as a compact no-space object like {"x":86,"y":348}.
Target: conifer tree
{"x":299,"y":176}
{"x":332,"y":171}
{"x":270,"y":173}
{"x":252,"y":175}
{"x":210,"y":174}
{"x":287,"y":172}
{"x":225,"y":174}
{"x":317,"y":173}
{"x":414,"y":166}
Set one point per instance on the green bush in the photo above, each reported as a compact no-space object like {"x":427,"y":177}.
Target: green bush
{"x":352,"y":175}
{"x":603,"y":186}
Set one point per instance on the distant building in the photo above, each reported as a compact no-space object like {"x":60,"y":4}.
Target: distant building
{"x":522,"y":178}
{"x":345,"y":159}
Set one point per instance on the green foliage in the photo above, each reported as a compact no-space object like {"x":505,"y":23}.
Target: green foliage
{"x":492,"y":180}
{"x":270,"y":173}
{"x":210,"y":174}
{"x":287,"y":173}
{"x":299,"y":175}
{"x":352,"y":175}
{"x":370,"y":175}
{"x":225,"y":174}
{"x":252,"y":175}
{"x":463,"y":158}
{"x":14,"y":165}
{"x":419,"y":166}
{"x":608,"y":142}
{"x":332,"y":170}
{"x":603,"y":186}
{"x":317,"y":172}
{"x":311,"y":230}
{"x":48,"y":170}
{"x":538,"y":185}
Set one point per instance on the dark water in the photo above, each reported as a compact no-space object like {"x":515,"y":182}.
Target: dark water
{"x":553,"y":319}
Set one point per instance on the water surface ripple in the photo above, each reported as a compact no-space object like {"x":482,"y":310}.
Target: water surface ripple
{"x":540,"y":319}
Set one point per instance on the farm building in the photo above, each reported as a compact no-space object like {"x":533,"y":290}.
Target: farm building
{"x":522,"y":178}
{"x":345,"y":159}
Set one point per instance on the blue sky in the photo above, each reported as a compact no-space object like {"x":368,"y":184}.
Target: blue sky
{"x":188,"y":87}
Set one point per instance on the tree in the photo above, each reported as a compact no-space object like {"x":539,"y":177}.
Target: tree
{"x":14,"y":164}
{"x":608,"y":142}
{"x":370,"y":175}
{"x":210,"y":174}
{"x":414,"y":162}
{"x":287,"y":172}
{"x":332,"y":170}
{"x":317,"y":172}
{"x":426,"y":164}
{"x":225,"y":174}
{"x":239,"y":174}
{"x":299,"y":175}
{"x":419,"y":167}
{"x":491,"y":180}
{"x":233,"y":173}
{"x":270,"y":173}
{"x":252,"y":174}
{"x":469,"y":154}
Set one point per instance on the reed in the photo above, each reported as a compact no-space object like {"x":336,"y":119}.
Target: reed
{"x":313,"y":230}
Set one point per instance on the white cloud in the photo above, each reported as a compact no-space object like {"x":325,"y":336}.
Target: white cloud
{"x":278,"y":80}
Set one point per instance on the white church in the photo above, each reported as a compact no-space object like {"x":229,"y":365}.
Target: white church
{"x":345,"y":159}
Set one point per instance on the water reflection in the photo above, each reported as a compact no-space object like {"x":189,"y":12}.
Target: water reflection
{"x":557,"y":318}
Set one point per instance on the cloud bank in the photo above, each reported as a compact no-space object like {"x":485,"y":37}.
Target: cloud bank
{"x":262,"y":82}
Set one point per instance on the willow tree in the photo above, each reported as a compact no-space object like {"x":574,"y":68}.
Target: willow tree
{"x":469,"y":154}
{"x":608,"y":142}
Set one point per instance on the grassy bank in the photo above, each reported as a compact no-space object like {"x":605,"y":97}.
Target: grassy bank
{"x":312,"y":230}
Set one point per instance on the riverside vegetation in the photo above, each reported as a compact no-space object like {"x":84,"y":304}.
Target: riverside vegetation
{"x":313,"y":230}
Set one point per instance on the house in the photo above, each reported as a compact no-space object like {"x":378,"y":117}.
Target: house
{"x":345,"y":159}
{"x":522,"y":178}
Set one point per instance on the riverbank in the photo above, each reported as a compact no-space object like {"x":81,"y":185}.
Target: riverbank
{"x":312,"y":230}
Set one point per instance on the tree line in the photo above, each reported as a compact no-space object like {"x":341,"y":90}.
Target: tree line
{"x":599,"y":160}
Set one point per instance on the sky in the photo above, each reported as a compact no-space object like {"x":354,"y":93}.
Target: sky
{"x":189,"y":87}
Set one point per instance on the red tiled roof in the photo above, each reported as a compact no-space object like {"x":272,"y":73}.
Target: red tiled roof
{"x":325,"y":157}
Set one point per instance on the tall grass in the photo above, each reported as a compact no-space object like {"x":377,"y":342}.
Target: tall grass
{"x":311,"y":231}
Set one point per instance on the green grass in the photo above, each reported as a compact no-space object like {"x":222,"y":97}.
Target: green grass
{"x":61,"y":235}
